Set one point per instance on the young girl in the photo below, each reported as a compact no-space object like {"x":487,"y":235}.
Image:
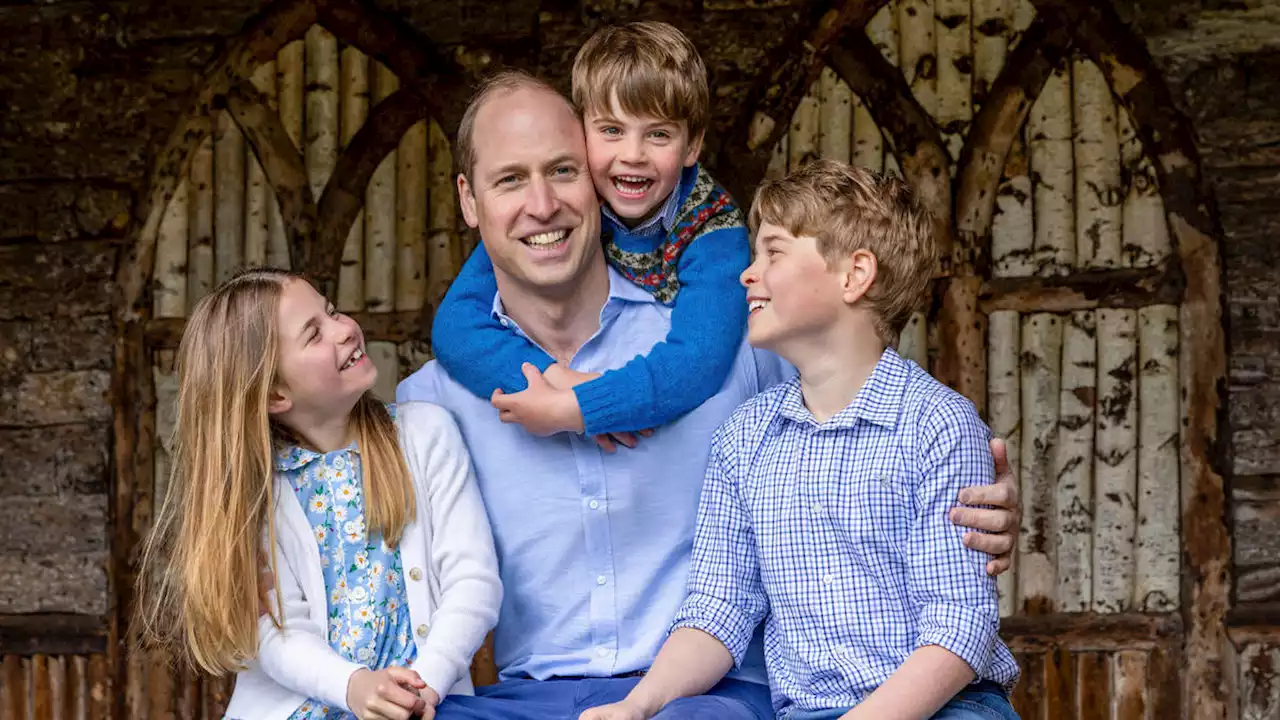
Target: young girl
{"x":369,"y":520}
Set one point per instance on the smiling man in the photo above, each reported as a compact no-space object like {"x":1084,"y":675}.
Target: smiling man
{"x":593,"y":548}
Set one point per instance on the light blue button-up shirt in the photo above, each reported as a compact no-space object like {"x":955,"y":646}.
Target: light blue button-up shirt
{"x":593,"y":548}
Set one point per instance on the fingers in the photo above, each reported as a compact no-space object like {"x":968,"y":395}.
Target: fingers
{"x":405,"y":676}
{"x":999,"y":565}
{"x":531,"y":374}
{"x":647,"y":432}
{"x":1001,"y":494}
{"x":992,"y":521}
{"x":990,"y":544}
{"x":1000,"y":453}
{"x":605,"y":442}
{"x":625,"y":438}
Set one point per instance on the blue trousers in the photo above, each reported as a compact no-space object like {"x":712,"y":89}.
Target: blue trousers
{"x":566,"y":699}
{"x":981,"y":701}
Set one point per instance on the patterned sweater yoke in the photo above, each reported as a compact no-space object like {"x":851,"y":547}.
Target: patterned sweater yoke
{"x":707,"y":208}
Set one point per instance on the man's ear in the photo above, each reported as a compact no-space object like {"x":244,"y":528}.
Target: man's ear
{"x":860,"y":275}
{"x":695,"y":149}
{"x":467,"y":200}
{"x":278,"y":402}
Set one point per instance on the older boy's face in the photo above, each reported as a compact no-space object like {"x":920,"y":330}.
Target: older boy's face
{"x":530,"y":192}
{"x":793,"y":297}
{"x":636,"y":160}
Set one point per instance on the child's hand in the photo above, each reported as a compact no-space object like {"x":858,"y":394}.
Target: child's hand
{"x":390,"y":694}
{"x":431,"y":699}
{"x":609,"y":442}
{"x":541,"y":409}
{"x":616,"y":711}
{"x":562,"y":377}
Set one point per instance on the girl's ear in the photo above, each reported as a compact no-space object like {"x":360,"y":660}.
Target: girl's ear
{"x":278,"y":402}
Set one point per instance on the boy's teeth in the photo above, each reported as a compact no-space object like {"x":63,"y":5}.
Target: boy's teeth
{"x":632,"y":185}
{"x":547,"y":238}
{"x":756,"y":305}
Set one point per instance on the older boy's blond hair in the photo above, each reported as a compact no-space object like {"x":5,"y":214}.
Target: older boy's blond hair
{"x":848,"y":208}
{"x":650,"y":67}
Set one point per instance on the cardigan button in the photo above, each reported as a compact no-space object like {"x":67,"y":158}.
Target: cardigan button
{"x":422,"y":630}
{"x":415,"y":574}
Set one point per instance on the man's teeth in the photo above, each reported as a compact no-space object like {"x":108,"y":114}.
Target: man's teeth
{"x":547,"y":238}
{"x":355,"y":358}
{"x":755,"y":305}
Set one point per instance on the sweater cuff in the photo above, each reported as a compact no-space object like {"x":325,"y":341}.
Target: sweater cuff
{"x":437,"y":672}
{"x":604,"y":401}
{"x":334,"y":667}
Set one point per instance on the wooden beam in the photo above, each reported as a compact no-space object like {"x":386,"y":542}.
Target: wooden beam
{"x":1209,"y":689}
{"x":285,"y":172}
{"x":53,"y":634}
{"x":792,"y":68}
{"x":1255,"y":623}
{"x":1128,"y":288}
{"x":1089,"y":631}
{"x":395,"y":327}
{"x":1043,"y":48}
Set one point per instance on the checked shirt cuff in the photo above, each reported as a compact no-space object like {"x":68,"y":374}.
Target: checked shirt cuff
{"x":719,"y":619}
{"x":966,"y":632}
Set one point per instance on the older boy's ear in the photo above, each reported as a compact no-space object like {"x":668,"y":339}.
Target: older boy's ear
{"x":695,"y":149}
{"x":860,"y":275}
{"x":467,"y":200}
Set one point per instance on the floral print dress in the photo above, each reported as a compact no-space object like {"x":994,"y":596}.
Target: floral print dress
{"x":368,"y":615}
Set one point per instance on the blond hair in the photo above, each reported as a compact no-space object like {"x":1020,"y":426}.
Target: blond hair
{"x":198,"y":595}
{"x":848,"y":208}
{"x":650,"y":67}
{"x":506,"y":81}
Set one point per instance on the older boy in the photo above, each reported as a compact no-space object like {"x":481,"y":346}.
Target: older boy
{"x":667,"y":227}
{"x":824,"y":512}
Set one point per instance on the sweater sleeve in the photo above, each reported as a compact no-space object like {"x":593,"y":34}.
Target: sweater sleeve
{"x":473,"y":347}
{"x":690,"y":366}
{"x":296,"y":655}
{"x":462,"y":551}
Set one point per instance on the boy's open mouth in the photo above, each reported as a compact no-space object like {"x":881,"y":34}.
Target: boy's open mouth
{"x":631,"y":186}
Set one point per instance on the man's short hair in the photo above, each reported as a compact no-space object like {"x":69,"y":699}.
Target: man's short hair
{"x":650,"y":67}
{"x":503,"y":82}
{"x":848,"y":208}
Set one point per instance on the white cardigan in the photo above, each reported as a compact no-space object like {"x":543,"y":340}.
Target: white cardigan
{"x":450,"y":572}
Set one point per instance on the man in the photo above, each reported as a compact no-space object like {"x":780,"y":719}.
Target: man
{"x":593,"y":548}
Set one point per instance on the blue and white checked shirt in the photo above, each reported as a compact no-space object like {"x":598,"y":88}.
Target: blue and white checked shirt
{"x":836,"y":535}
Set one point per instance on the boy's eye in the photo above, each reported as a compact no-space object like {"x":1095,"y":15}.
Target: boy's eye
{"x":610,"y":130}
{"x":660,"y":134}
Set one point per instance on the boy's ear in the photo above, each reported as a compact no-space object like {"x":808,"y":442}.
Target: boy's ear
{"x":695,"y":149}
{"x":860,"y":275}
{"x":467,"y":200}
{"x":278,"y":403}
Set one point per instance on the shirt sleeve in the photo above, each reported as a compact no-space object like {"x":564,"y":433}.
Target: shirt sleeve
{"x":691,"y":364}
{"x":725,"y":597}
{"x":959,"y":607}
{"x":474,"y":348}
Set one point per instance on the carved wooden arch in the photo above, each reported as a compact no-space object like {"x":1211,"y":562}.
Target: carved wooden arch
{"x":1193,"y":280}
{"x":433,"y":86}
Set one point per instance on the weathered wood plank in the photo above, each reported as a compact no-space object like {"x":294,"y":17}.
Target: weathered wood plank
{"x":394,"y":327}
{"x":1115,"y":466}
{"x":1073,"y":463}
{"x":1060,"y":685}
{"x":1093,"y":686}
{"x":1259,"y":682}
{"x":1129,"y":697}
{"x":1028,"y":696}
{"x":1041,"y":381}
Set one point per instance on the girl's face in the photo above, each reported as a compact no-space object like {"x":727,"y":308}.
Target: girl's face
{"x":323,"y":369}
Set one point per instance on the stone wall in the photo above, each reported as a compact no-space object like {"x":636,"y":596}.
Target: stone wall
{"x":89,"y":93}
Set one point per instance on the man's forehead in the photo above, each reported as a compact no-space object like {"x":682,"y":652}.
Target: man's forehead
{"x":525,"y":122}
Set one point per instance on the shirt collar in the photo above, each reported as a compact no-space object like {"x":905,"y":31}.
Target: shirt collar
{"x":665,"y":218}
{"x":877,"y":402}
{"x":291,"y":457}
{"x":621,"y":291}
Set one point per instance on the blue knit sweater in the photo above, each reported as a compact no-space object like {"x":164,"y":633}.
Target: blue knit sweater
{"x":694,"y":265}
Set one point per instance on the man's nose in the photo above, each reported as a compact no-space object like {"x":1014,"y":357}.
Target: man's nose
{"x":541,"y":201}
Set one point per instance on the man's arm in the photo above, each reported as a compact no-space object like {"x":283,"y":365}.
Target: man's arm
{"x":999,"y":523}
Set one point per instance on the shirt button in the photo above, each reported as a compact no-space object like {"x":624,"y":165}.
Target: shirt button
{"x":422,"y":630}
{"x":601,"y":580}
{"x":602,"y":652}
{"x":594,"y":504}
{"x":415,"y":574}
{"x":828,"y":578}
{"x":817,"y":508}
{"x":505,"y":322}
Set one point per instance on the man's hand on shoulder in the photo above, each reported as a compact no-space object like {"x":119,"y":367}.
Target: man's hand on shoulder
{"x":1000,"y":522}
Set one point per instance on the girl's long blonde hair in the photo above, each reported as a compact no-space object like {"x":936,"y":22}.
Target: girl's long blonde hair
{"x":198,"y":590}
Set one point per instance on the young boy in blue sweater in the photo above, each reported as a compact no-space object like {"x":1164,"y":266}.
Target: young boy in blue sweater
{"x":824,"y":511}
{"x":667,"y":226}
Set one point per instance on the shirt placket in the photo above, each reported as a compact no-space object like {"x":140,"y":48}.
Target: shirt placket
{"x":602,"y":613}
